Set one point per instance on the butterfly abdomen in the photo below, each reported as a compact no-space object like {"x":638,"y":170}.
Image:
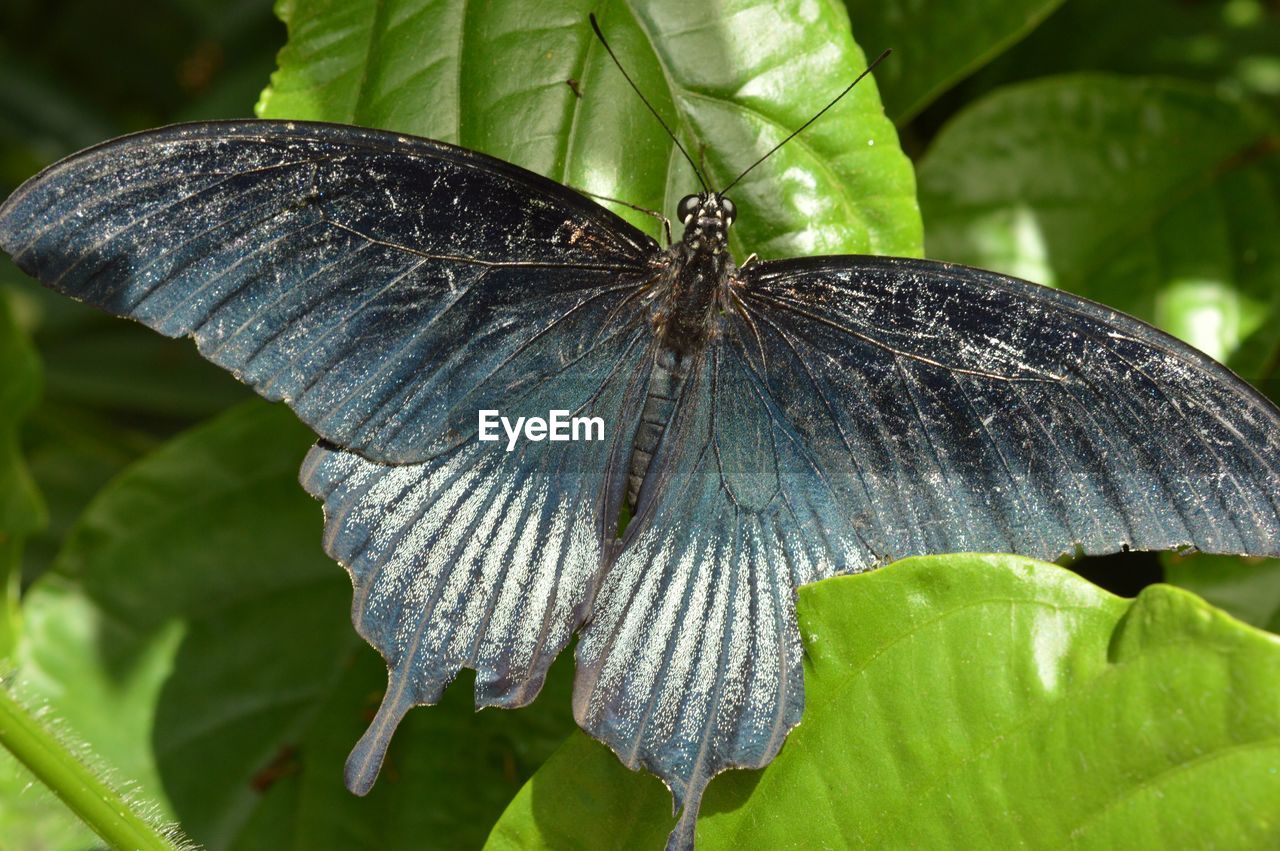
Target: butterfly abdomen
{"x":669,"y":372}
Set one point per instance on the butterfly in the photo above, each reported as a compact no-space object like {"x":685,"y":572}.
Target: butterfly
{"x":762,"y":426}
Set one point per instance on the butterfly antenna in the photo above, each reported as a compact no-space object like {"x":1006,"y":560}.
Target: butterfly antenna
{"x":801,"y":128}
{"x":595,"y":25}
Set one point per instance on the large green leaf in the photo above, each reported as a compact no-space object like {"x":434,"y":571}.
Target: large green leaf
{"x":937,"y":43}
{"x":72,"y":453}
{"x":113,"y":390}
{"x":1156,"y":197}
{"x":529,"y":83}
{"x":195,"y":634}
{"x":976,"y":702}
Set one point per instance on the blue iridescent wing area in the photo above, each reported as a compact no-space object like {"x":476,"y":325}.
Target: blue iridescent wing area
{"x":481,"y":557}
{"x":860,"y":410}
{"x":385,"y":287}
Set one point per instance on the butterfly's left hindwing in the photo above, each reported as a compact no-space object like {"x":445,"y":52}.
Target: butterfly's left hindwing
{"x":481,"y":557}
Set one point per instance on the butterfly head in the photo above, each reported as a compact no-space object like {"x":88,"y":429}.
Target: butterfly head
{"x":706,"y":218}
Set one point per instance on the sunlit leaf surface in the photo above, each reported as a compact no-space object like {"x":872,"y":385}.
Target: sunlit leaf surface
{"x":975,"y":701}
{"x":445,"y":70}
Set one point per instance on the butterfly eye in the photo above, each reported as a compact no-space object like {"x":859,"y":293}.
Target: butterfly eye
{"x":687,"y":208}
{"x":730,"y":211}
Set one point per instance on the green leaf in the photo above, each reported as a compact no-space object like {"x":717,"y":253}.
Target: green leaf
{"x":1156,"y":197}
{"x":99,"y":362}
{"x":734,"y":79}
{"x":32,"y":816}
{"x":194,"y":633}
{"x":976,"y":701}
{"x":936,"y":44}
{"x":30,"y":813}
{"x":113,"y":390}
{"x":72,"y":453}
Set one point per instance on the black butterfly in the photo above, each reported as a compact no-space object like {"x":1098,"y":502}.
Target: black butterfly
{"x":764,"y":426}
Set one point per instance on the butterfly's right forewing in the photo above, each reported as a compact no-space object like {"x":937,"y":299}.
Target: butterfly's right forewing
{"x":958,"y":410}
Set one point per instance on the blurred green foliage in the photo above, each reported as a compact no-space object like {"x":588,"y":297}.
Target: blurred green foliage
{"x":173,"y":605}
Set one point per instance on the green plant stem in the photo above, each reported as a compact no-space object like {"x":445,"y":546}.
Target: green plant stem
{"x":92,"y":799}
{"x":10,"y":580}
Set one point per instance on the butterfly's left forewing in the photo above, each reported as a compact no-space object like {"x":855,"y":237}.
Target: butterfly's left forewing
{"x":389,"y":289}
{"x":384,"y":286}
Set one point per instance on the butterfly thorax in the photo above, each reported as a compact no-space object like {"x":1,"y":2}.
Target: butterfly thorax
{"x":701,"y":269}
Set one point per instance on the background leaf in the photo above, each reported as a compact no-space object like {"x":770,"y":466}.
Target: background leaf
{"x":21,"y":511}
{"x":976,"y":701}
{"x":1248,"y":588}
{"x":29,"y":811}
{"x":844,"y":186}
{"x":936,"y":44}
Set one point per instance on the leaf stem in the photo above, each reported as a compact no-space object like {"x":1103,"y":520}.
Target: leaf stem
{"x":101,"y":807}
